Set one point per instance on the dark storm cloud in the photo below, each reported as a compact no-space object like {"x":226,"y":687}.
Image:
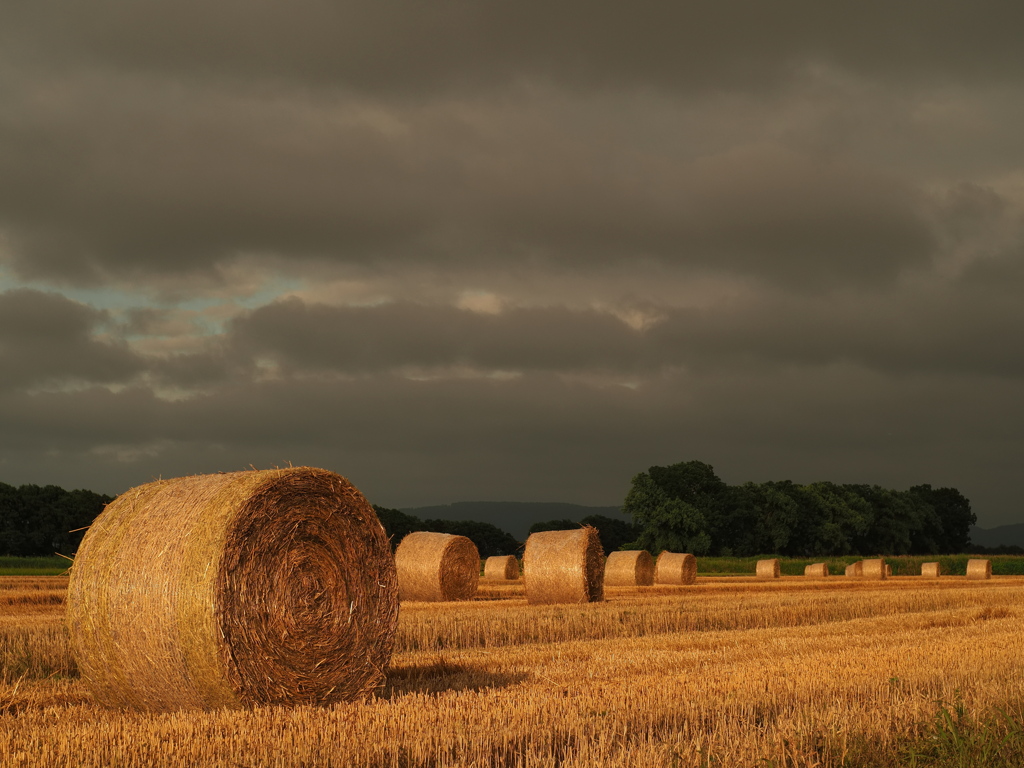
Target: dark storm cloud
{"x":164,"y":183}
{"x":894,"y":333}
{"x":100,"y":186}
{"x":410,"y":46}
{"x":411,"y":442}
{"x":362,"y":339}
{"x":47,"y":339}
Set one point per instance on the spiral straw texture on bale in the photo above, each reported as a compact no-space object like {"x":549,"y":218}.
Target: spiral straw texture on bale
{"x":979,"y":569}
{"x":437,"y":567}
{"x":675,"y":568}
{"x":564,"y":567}
{"x":931,"y":570}
{"x":816,"y":571}
{"x":234,"y":589}
{"x":855,"y":569}
{"x":630,"y":568}
{"x":769,"y":569}
{"x":501,"y":568}
{"x":873,"y":569}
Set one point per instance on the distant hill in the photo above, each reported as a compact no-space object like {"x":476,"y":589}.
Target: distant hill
{"x":1003,"y":535}
{"x":516,"y":517}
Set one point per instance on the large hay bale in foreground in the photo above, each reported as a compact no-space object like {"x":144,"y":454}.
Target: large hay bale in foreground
{"x":437,"y":567}
{"x":873,"y":569}
{"x":931,"y":570}
{"x":769,"y":569}
{"x":855,"y":569}
{"x":630,"y":568}
{"x":234,"y":589}
{"x":979,"y":569}
{"x":675,"y":568}
{"x":501,"y":568}
{"x":816,"y":571}
{"x":564,"y":567}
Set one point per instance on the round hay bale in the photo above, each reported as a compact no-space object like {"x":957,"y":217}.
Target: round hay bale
{"x":769,"y":569}
{"x":979,"y":569}
{"x":873,"y":569}
{"x":816,"y":571}
{"x":234,"y":589}
{"x":437,"y":567}
{"x":630,"y":568}
{"x":888,"y":570}
{"x":931,"y":570}
{"x":564,"y":567}
{"x":501,"y":568}
{"x":675,"y":568}
{"x":855,"y":569}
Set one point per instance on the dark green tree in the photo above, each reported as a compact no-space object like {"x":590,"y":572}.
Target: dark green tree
{"x":686,"y":507}
{"x":489,"y":539}
{"x":397,"y":524}
{"x":614,"y":534}
{"x":953,"y":511}
{"x":665,"y":522}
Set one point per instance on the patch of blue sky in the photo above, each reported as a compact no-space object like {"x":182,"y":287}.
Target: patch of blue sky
{"x":119,"y":300}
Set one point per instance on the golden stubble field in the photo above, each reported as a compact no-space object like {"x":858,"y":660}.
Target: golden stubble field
{"x":730,"y":671}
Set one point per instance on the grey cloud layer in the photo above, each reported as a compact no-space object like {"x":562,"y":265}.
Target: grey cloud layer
{"x":411,"y":46}
{"x":785,"y":238}
{"x":117,"y":186}
{"x":46,"y":339}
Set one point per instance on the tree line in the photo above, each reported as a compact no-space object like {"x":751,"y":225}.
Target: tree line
{"x":489,"y":539}
{"x":36,"y":521}
{"x":686,"y":507}
{"x":683,"y":507}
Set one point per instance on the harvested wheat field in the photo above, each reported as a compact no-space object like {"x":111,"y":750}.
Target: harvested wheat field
{"x":729,"y":671}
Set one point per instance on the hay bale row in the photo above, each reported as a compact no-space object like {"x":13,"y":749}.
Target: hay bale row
{"x":564,"y":567}
{"x":675,"y":568}
{"x":931,"y":570}
{"x":769,"y":569}
{"x":816,"y":571}
{"x":501,"y":568}
{"x":630,"y":568}
{"x":979,"y":569}
{"x":437,"y":567}
{"x":234,"y":589}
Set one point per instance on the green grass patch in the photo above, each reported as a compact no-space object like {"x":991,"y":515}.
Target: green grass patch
{"x":957,"y":739}
{"x":33,"y":566}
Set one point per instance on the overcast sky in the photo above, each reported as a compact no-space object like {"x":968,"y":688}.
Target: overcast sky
{"x":514,"y":250}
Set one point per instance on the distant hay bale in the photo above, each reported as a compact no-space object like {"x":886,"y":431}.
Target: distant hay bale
{"x":769,"y":569}
{"x":888,"y":570}
{"x":631,"y":568}
{"x":979,"y":569}
{"x":675,"y":568}
{"x":931,"y":570}
{"x":855,"y":569}
{"x":234,"y":589}
{"x":437,"y":567}
{"x":816,"y":571}
{"x":873,"y":569}
{"x":564,"y":566}
{"x":501,"y":568}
